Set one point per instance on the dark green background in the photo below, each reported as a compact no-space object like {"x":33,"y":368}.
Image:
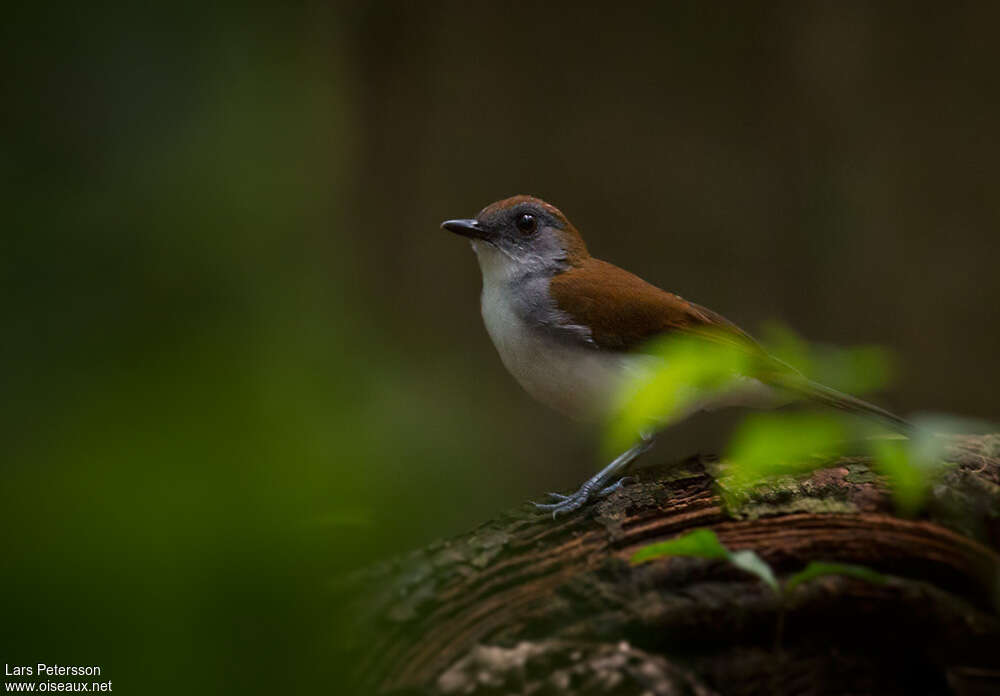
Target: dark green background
{"x":238,"y":356}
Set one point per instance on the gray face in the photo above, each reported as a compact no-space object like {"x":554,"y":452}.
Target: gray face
{"x":526,"y":234}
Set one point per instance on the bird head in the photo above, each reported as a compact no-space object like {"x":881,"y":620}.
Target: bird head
{"x":524,"y":233}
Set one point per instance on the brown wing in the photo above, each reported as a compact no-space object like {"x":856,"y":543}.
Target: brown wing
{"x":623,"y":311}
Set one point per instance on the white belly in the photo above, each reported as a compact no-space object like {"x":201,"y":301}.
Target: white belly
{"x":580,"y":382}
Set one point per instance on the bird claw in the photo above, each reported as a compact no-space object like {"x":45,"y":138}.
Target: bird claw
{"x":566,"y":504}
{"x":569,"y":503}
{"x":620,"y":483}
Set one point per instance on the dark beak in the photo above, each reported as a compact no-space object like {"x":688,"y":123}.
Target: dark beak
{"x":466,"y":228}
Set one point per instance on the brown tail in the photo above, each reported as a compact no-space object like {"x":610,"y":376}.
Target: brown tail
{"x":823,"y":394}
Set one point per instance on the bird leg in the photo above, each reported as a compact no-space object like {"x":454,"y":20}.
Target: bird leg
{"x":596,"y":486}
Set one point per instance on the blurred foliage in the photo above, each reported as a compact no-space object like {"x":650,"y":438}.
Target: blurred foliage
{"x":907,"y":471}
{"x":686,"y":371}
{"x":750,"y":562}
{"x":203,"y":422}
{"x":780,"y":444}
{"x":855,"y":370}
{"x":682,"y":370}
{"x":821,"y":569}
{"x":912,"y":465}
{"x":776,"y":444}
{"x":703,"y":543}
{"x":700,"y":543}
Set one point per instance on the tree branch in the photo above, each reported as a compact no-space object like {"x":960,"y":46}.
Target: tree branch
{"x":525,"y":605}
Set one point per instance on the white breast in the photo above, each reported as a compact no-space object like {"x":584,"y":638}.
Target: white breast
{"x":580,"y":382}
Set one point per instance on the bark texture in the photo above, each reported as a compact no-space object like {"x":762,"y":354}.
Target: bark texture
{"x":525,"y":605}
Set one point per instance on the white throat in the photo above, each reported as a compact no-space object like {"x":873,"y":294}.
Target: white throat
{"x":497,"y":266}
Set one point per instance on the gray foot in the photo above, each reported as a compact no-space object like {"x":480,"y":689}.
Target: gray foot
{"x":620,"y":483}
{"x":595,"y":485}
{"x":569,"y":503}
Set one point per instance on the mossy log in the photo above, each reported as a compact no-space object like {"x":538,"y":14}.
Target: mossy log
{"x":527,"y":605}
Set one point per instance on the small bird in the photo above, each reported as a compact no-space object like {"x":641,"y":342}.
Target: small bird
{"x":572,"y":329}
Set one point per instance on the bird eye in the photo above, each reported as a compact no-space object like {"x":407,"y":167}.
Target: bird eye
{"x":526,"y":223}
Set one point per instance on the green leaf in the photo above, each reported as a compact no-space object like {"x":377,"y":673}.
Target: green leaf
{"x":781,"y":444}
{"x":912,"y":465}
{"x":819,"y":569}
{"x":855,"y":370}
{"x":908,"y":478}
{"x":701,"y":543}
{"x":752,"y":563}
{"x":679,"y":371}
{"x":783,"y":343}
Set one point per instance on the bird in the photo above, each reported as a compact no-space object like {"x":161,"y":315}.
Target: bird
{"x":572,"y":329}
